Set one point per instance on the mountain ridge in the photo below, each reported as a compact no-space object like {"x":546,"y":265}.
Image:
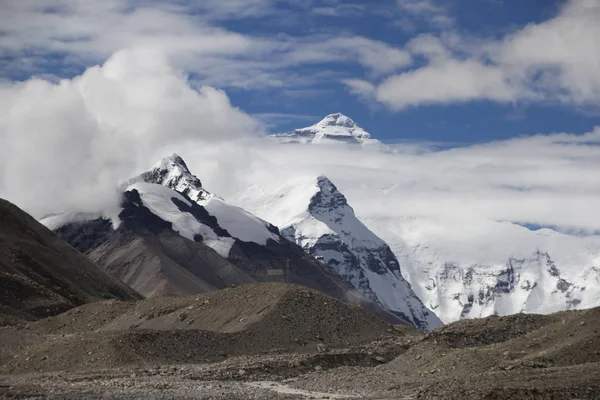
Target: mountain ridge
{"x":314,"y":214}
{"x":163,"y":236}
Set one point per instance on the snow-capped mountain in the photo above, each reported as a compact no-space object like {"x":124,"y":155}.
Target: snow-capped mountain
{"x":492,"y":267}
{"x":331,"y":129}
{"x":163,"y":241}
{"x":458,"y":268}
{"x":172,"y":172}
{"x":315,"y":215}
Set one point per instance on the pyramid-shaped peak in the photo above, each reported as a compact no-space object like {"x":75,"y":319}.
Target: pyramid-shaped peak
{"x":172,"y":161}
{"x":324,"y":183}
{"x":328,"y":198}
{"x":173,"y":172}
{"x":337,"y":119}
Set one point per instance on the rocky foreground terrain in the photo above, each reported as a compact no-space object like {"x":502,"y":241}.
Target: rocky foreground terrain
{"x":68,"y":330}
{"x":276,"y":341}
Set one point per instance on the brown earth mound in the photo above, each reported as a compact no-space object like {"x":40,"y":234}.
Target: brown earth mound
{"x":113,"y":351}
{"x":249,"y":319}
{"x":41,"y":275}
{"x":516,"y":357}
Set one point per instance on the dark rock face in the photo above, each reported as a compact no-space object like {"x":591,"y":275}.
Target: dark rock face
{"x":87,"y":237}
{"x":201,"y":215}
{"x":328,"y":199}
{"x":359,"y":256}
{"x":139,"y":218}
{"x":506,"y":280}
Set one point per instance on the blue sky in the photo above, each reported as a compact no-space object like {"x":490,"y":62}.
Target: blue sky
{"x":419,"y":70}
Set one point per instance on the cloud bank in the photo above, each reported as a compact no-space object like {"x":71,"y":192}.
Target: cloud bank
{"x":65,"y":145}
{"x":547,"y":180}
{"x":46,"y":37}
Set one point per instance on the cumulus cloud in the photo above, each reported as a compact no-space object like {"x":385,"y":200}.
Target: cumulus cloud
{"x":65,"y":145}
{"x":552,"y":61}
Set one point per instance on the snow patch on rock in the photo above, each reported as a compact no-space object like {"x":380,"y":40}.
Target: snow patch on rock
{"x":172,"y":172}
{"x":159,"y":200}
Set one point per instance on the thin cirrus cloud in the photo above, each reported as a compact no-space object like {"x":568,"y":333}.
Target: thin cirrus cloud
{"x":554,"y":61}
{"x":58,"y":35}
{"x":432,"y":12}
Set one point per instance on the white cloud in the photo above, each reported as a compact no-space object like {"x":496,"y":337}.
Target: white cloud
{"x":275,"y":120}
{"x":58,"y":35}
{"x":64,"y":146}
{"x":430,"y":11}
{"x":361,"y":88}
{"x":561,"y":55}
{"x":545,"y":179}
{"x":553,"y":61}
{"x":374,"y":55}
{"x":449,"y":81}
{"x":341,"y":10}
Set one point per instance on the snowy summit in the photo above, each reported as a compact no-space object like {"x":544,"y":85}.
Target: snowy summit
{"x":173,"y":172}
{"x":314,"y":214}
{"x":333,"y":128}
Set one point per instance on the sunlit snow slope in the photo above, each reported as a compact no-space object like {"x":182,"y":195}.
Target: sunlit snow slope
{"x":492,"y":267}
{"x":315,"y":215}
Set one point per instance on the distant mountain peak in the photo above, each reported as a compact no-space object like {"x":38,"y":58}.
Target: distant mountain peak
{"x":334,"y":128}
{"x":337,"y":119}
{"x":175,"y":160}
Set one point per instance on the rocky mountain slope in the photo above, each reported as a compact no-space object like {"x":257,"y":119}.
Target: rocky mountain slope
{"x":515,"y":357}
{"x":41,"y":275}
{"x":163,"y":241}
{"x":316,"y":216}
{"x":334,"y":128}
{"x":248,"y":319}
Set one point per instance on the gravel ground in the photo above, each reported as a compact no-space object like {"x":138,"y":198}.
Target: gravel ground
{"x":282,"y":354}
